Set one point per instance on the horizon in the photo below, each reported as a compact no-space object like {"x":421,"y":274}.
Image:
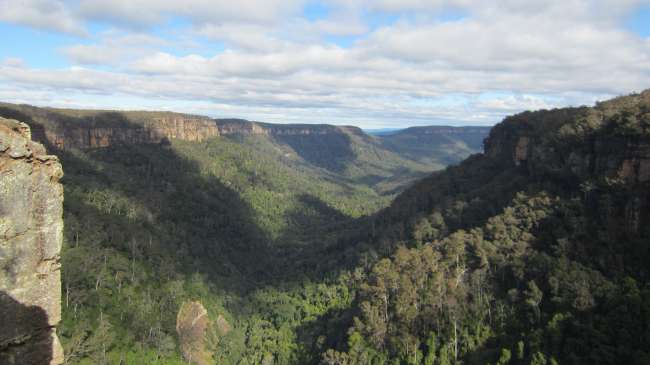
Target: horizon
{"x":370,"y":129}
{"x":451,"y":63}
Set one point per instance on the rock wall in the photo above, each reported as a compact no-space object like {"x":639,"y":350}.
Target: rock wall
{"x":85,"y":129}
{"x":244,"y":127}
{"x":604,"y":152}
{"x":192,"y":327}
{"x":609,"y":140}
{"x":597,"y":155}
{"x":161,"y":130}
{"x":157,"y":130}
{"x":31,"y":232}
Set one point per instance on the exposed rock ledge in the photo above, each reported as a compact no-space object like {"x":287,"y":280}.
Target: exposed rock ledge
{"x":157,"y":130}
{"x":31,"y":231}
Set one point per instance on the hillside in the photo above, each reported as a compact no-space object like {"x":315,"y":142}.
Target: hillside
{"x":535,"y":252}
{"x":343,"y":153}
{"x":436,"y":145}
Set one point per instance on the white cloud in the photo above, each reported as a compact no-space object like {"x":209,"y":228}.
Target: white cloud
{"x":420,"y":5}
{"x":114,"y":48}
{"x":242,"y":36}
{"x":279,"y":66}
{"x":513,"y":103}
{"x":41,"y":14}
{"x":148,"y":12}
{"x":13,"y":62}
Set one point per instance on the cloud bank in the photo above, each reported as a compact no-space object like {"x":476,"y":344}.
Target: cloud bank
{"x":370,"y":63}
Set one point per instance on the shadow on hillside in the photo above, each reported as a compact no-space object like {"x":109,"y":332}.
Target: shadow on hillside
{"x":324,"y":332}
{"x":208,"y":227}
{"x":25,"y":336}
{"x":194,"y":219}
{"x":107,"y":119}
{"x":332,"y":151}
{"x":446,"y":149}
{"x":148,"y":197}
{"x":315,"y":213}
{"x":301,"y":250}
{"x":10,"y":113}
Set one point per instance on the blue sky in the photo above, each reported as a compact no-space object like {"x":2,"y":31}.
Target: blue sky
{"x":381,"y":63}
{"x":638,"y":21}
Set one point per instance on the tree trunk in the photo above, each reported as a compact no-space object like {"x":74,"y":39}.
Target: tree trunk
{"x":455,"y":341}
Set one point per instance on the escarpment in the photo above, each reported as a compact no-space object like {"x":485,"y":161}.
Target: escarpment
{"x":65,"y":129}
{"x":157,"y":130}
{"x":192,"y":327}
{"x":611,"y":140}
{"x":31,"y":231}
{"x":444,"y":130}
{"x":594,"y":150}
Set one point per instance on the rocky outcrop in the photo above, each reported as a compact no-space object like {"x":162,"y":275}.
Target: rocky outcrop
{"x":192,"y":327}
{"x":636,"y":168}
{"x":603,"y":151}
{"x":65,"y":129}
{"x":521,"y":150}
{"x":590,"y":156}
{"x":161,"y":130}
{"x":244,"y":127}
{"x":239,"y":127}
{"x":31,"y":232}
{"x":157,"y":130}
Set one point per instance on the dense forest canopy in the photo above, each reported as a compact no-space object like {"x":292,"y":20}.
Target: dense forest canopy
{"x":535,"y":252}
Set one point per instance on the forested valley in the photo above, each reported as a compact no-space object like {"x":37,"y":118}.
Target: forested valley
{"x":351,"y":250}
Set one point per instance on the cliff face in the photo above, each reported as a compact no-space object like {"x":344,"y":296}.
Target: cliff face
{"x":244,"y":127}
{"x":611,"y":140}
{"x":31,"y":231}
{"x":65,"y":128}
{"x":604,"y":151}
{"x":157,"y":130}
{"x":192,"y":327}
{"x":161,"y":130}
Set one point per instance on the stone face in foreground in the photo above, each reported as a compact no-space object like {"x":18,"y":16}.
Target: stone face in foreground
{"x":31,"y":232}
{"x":192,"y":326}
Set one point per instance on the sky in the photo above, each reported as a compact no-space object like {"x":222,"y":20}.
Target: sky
{"x":374,"y":64}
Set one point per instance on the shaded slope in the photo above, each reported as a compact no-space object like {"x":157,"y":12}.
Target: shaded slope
{"x":535,"y":252}
{"x":235,"y":221}
{"x":436,"y":145}
{"x":343,"y":153}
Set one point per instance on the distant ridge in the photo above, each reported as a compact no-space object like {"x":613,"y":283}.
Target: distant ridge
{"x":436,"y":144}
{"x":382,"y":131}
{"x":329,"y":146}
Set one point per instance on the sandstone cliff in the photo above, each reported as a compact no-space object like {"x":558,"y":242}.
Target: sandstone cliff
{"x":605,"y":150}
{"x":245,"y":127}
{"x":157,"y":130}
{"x":31,"y":224}
{"x":84,"y":129}
{"x":611,"y":140}
{"x":193,"y":327}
